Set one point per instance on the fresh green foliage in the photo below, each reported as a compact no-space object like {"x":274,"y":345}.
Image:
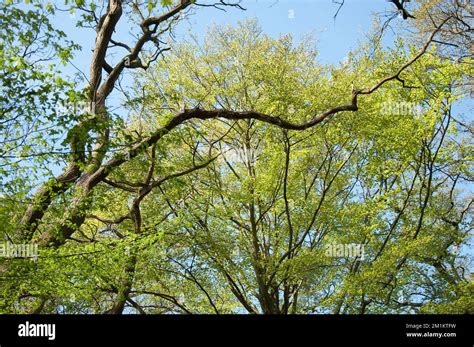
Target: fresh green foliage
{"x":366,"y":212}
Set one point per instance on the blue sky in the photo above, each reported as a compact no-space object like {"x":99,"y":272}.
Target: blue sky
{"x":300,"y":18}
{"x":335,"y":38}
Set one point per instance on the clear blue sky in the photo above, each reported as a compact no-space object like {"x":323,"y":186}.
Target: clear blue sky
{"x":335,"y":38}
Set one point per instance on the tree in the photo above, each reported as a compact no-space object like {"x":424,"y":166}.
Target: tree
{"x":244,"y":160}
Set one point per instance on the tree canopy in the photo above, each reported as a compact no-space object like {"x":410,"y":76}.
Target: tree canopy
{"x":241,"y":175}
